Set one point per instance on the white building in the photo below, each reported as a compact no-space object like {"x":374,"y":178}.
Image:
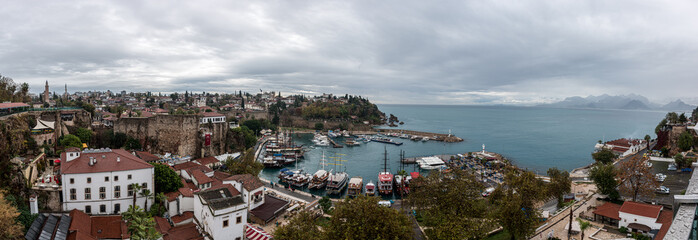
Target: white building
{"x":221,"y":212}
{"x":644,"y":218}
{"x":251,"y":187}
{"x":212,"y":117}
{"x":98,"y":181}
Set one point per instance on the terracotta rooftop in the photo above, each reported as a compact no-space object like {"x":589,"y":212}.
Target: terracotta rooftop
{"x":207,"y":160}
{"x":106,"y":162}
{"x":184,"y":232}
{"x":171,"y":196}
{"x":161,"y":224}
{"x":182,"y":217}
{"x":186,"y":192}
{"x":13,"y":105}
{"x":185,"y":165}
{"x":609,"y":210}
{"x":201,"y":168}
{"x":641,"y":209}
{"x":200,"y":177}
{"x":220,"y":175}
{"x":212,"y":114}
{"x":249,"y":182}
{"x":109,"y":227}
{"x":146,"y":156}
{"x":665,"y":218}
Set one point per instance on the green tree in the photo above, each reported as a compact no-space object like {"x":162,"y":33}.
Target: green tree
{"x":682,"y":162}
{"x":9,"y":227}
{"x":319,"y":126}
{"x":84,"y":134}
{"x":166,"y":179}
{"x":247,"y":164}
{"x":682,"y":118}
{"x":604,"y":176}
{"x":363,"y":218}
{"x":647,"y":139}
{"x":146,"y":194}
{"x":450,"y":205}
{"x":241,"y":138}
{"x":583,"y":226}
{"x":71,"y":141}
{"x":254,"y":125}
{"x":140,"y":225}
{"x":136,"y":188}
{"x":301,"y":226}
{"x":661,"y":125}
{"x":119,"y":140}
{"x":560,"y":184}
{"x":132,"y":143}
{"x":158,"y":207}
{"x":325,"y":204}
{"x":604,"y":156}
{"x":685,"y":141}
{"x":516,"y":203}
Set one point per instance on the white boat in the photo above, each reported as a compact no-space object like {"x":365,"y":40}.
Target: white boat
{"x":424,"y":139}
{"x":336,"y":183}
{"x":370,"y":189}
{"x":332,"y":134}
{"x":320,"y":177}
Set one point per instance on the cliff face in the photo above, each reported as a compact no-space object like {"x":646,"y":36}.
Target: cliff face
{"x":177,"y":134}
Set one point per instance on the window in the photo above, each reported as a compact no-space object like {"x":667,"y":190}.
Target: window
{"x":89,"y":180}
{"x":128,"y":177}
{"x":117,"y":208}
{"x":73,"y":194}
{"x":117,"y":191}
{"x":102,"y":208}
{"x":88,"y":194}
{"x":71,"y":154}
{"x":116,"y":178}
{"x":238,"y":220}
{"x":238,"y":238}
{"x":130,"y":190}
{"x":225,"y":223}
{"x":145,"y":186}
{"x":102,"y":192}
{"x":72,"y":180}
{"x":106,"y":179}
{"x":88,"y":209}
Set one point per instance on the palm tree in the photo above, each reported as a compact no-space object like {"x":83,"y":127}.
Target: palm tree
{"x":583,"y":225}
{"x":648,"y":138}
{"x":160,"y":197}
{"x":136,"y":188}
{"x":147,"y":194}
{"x":140,"y":225}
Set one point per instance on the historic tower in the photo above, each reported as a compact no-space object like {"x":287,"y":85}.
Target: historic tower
{"x":65,"y":95}
{"x":46,"y":92}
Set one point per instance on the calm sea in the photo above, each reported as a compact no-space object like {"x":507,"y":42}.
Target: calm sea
{"x":532,"y":137}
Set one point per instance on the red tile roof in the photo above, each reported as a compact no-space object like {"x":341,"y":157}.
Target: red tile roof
{"x":106,"y":164}
{"x":80,"y":221}
{"x":162,"y":225}
{"x":665,"y":219}
{"x":109,"y":227}
{"x":13,"y":105}
{"x":184,"y":232}
{"x":171,"y":196}
{"x":186,"y":192}
{"x":641,"y":209}
{"x":220,"y":175}
{"x":609,"y":210}
{"x":146,"y":156}
{"x":249,"y":182}
{"x":182,"y":217}
{"x":201,"y":168}
{"x":185,"y":165}
{"x":207,"y":160}
{"x":201,"y":177}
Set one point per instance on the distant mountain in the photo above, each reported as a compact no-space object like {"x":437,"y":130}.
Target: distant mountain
{"x":677,"y":105}
{"x":629,"y":102}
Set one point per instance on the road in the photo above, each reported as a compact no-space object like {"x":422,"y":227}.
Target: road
{"x":415,"y":226}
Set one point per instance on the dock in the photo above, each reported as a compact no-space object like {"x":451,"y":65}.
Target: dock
{"x":334,"y":144}
{"x":433,"y":136}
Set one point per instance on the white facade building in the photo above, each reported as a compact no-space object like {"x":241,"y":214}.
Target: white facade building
{"x":221,"y":212}
{"x":251,"y":187}
{"x":212,"y":117}
{"x":99,"y":181}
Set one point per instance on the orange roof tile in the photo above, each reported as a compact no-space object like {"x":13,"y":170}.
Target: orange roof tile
{"x":200,"y":177}
{"x":665,"y":218}
{"x":106,"y":162}
{"x":641,"y":209}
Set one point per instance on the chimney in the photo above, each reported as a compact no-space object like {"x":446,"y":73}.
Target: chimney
{"x":118,"y":159}
{"x":91,"y":162}
{"x":33,"y":204}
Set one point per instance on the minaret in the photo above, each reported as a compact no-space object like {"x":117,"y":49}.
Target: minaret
{"x":46,"y":92}
{"x":65,"y":95}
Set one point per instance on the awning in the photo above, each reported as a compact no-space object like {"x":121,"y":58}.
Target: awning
{"x":638,"y":226}
{"x":254,"y":233}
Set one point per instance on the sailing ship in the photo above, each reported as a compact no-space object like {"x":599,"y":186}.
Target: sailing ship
{"x":320,"y":177}
{"x":356,"y":185}
{"x":337,"y":182}
{"x":385,"y":178}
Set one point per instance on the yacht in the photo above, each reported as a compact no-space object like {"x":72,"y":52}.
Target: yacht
{"x":356,"y":185}
{"x":385,"y":178}
{"x":370,"y":189}
{"x":320,"y":177}
{"x":336,"y":183}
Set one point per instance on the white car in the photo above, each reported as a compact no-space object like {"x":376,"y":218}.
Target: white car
{"x":660,"y":177}
{"x":662,"y":190}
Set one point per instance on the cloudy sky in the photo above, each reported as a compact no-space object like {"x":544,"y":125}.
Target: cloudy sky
{"x":446,"y":52}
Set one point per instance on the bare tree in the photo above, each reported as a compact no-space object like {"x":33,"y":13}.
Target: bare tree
{"x":636,"y":179}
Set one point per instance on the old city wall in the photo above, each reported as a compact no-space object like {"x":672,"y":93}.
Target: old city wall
{"x":177,"y":134}
{"x":219,"y":132}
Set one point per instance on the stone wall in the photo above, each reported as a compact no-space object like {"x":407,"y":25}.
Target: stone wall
{"x":177,"y":134}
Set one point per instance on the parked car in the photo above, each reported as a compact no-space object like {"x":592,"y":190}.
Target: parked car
{"x":662,"y":190}
{"x":660,"y":177}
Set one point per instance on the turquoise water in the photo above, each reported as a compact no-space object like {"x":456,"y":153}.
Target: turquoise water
{"x":533,"y":138}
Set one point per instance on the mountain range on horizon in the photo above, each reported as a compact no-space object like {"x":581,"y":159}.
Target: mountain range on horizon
{"x":626,"y":102}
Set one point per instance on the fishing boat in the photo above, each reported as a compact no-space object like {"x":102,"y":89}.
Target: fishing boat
{"x":351,"y":142}
{"x":320,"y":177}
{"x":385,"y":178}
{"x":356,"y":185}
{"x":370,"y":189}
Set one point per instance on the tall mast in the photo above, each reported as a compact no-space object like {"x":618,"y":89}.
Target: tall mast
{"x":385,"y":159}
